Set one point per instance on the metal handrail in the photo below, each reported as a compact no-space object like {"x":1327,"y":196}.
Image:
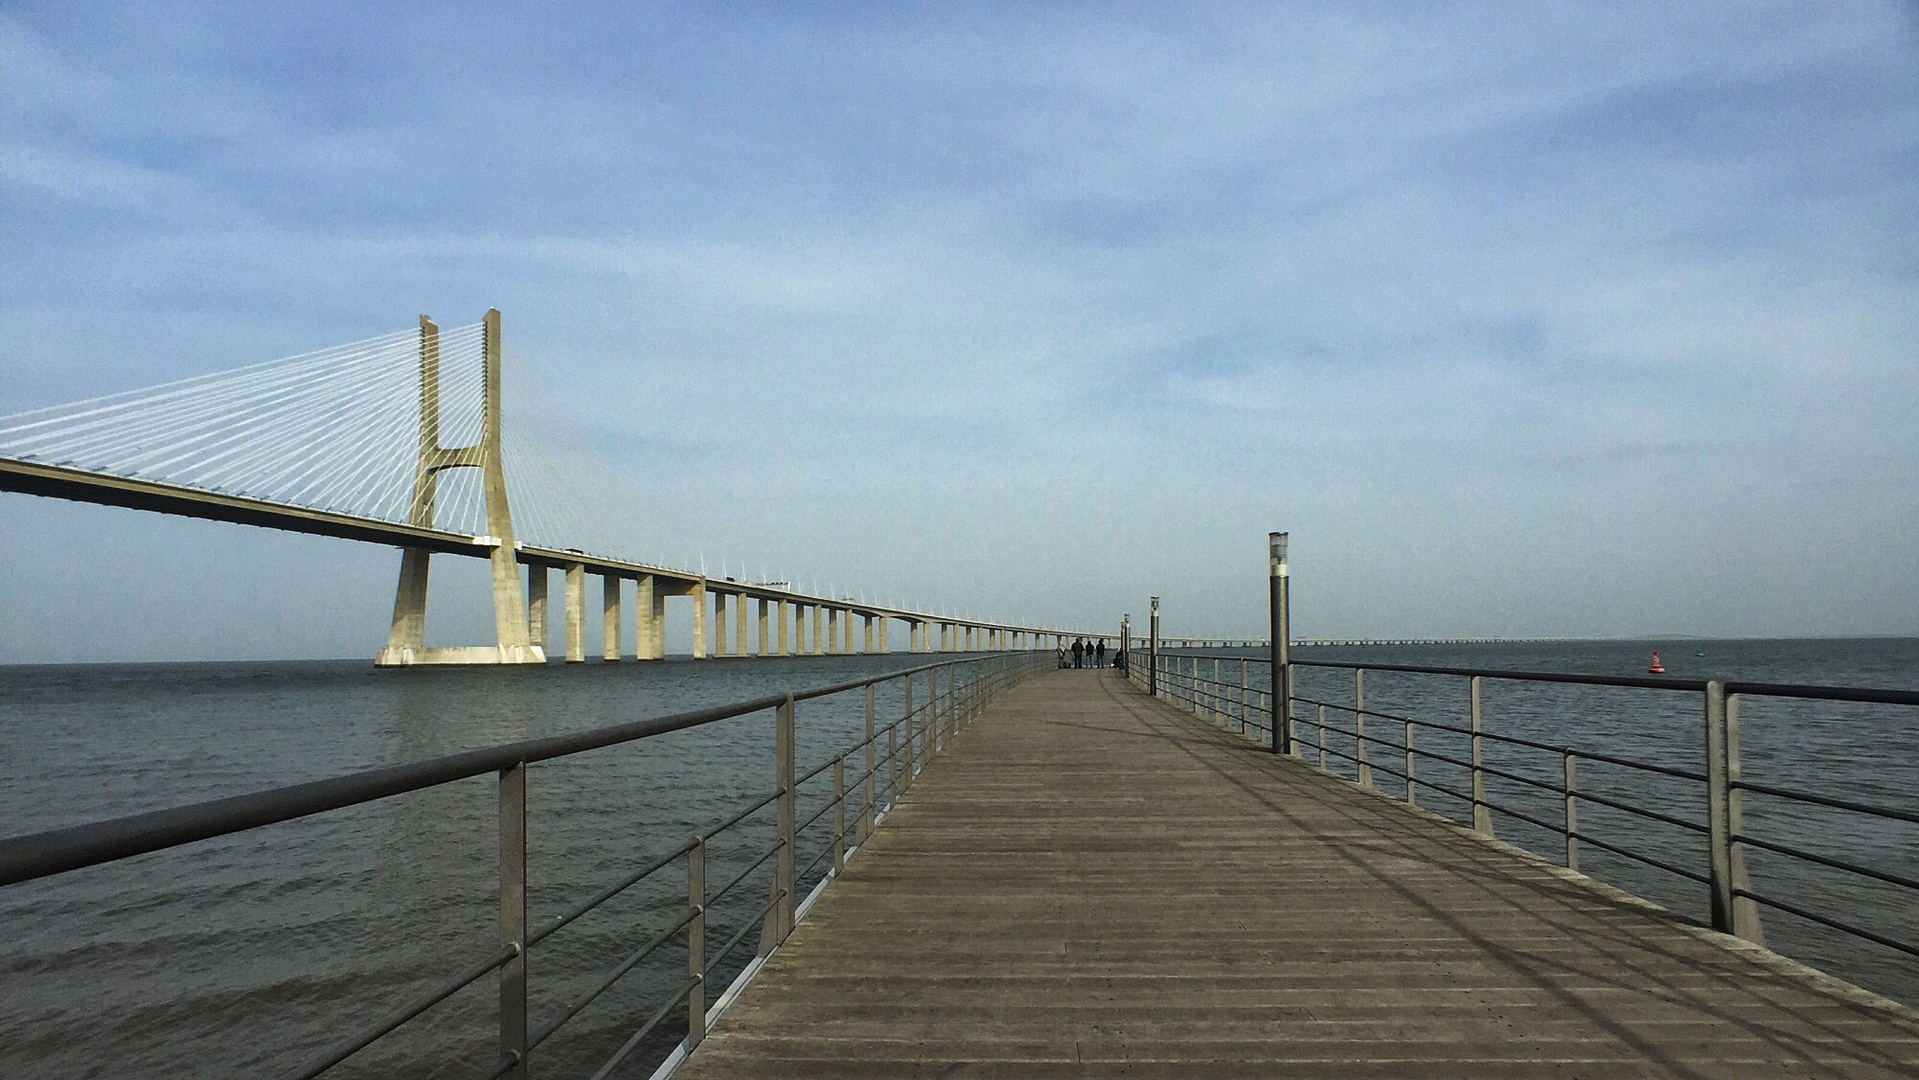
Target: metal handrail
{"x":970,"y":682}
{"x":1724,"y":785}
{"x":56,"y":851}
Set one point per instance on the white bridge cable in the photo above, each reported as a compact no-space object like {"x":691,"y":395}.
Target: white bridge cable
{"x":120,"y":424}
{"x":380,"y":473}
{"x":293,"y":418}
{"x":131,"y":417}
{"x":335,"y":429}
{"x":86,"y":406}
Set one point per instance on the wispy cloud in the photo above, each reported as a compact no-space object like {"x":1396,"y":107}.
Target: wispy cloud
{"x":1137,"y":279}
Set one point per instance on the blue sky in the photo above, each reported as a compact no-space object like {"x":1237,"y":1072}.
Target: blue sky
{"x":1533,"y":319}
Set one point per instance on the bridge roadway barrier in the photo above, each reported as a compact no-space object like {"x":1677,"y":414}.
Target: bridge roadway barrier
{"x":1092,"y":882}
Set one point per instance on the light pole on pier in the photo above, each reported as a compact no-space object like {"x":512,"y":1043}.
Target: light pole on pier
{"x":1281,"y":692}
{"x":1152,"y":650}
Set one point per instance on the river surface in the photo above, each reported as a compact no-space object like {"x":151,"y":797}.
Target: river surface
{"x":235,"y":957}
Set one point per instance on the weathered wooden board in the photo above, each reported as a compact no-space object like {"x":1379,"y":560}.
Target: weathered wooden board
{"x":1090,"y":883}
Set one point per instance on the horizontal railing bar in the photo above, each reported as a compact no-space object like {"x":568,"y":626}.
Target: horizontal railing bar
{"x":632,"y":961}
{"x":1493,"y":736}
{"x":808,"y":823}
{"x":1864,"y":694}
{"x":1826,"y":800}
{"x":607,"y":893}
{"x":1848,"y":928}
{"x":746,"y":813}
{"x":1690,"y":826}
{"x":1826,"y":860}
{"x":1634,"y":855}
{"x":1425,"y":784}
{"x":646,"y":1029}
{"x":1583,"y":755}
{"x":741,"y":876}
{"x":55,"y":851}
{"x":746,"y":926}
{"x":1804,"y":691}
{"x":372,"y":1033}
{"x":1693,"y":685}
{"x":824,"y":852}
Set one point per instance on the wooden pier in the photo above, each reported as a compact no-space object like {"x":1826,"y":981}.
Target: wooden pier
{"x":1091,"y":883}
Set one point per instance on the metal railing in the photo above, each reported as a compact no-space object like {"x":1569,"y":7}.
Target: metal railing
{"x":1226,"y":691}
{"x":953,"y":693}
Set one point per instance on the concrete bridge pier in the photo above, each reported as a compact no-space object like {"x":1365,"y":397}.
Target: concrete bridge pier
{"x":536,"y":582}
{"x":699,"y":620}
{"x":739,"y":625}
{"x":610,"y":616}
{"x":649,"y":617}
{"x":576,"y":613}
{"x":766,"y":642}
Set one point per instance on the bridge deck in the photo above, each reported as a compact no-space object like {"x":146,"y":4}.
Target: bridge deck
{"x":1090,"y":883}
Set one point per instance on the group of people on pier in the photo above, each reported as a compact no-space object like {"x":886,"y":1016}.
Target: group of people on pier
{"x":1084,"y":654}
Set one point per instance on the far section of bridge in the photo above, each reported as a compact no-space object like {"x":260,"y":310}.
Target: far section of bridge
{"x":1091,"y":882}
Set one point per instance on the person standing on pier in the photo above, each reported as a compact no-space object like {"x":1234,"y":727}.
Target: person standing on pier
{"x":1079,"y":652}
{"x":1099,"y":650}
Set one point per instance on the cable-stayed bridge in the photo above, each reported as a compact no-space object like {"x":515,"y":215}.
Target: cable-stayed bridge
{"x":399,"y":440}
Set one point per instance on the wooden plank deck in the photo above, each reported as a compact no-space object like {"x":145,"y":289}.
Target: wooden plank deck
{"x":1090,"y":883}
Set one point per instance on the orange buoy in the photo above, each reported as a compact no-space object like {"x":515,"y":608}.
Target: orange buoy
{"x":1657,"y":668}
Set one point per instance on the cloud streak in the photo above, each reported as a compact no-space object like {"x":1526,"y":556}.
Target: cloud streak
{"x":963,"y":303}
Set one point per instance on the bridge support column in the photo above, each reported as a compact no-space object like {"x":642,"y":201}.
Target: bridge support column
{"x":699,"y":620}
{"x":645,"y":619}
{"x":832,"y":631}
{"x":610,"y":616}
{"x":766,"y":643}
{"x":739,"y":625}
{"x":576,"y":614}
{"x":719,"y":624}
{"x":869,"y":633}
{"x":785,"y":642}
{"x":818,"y":618}
{"x":536,"y":604}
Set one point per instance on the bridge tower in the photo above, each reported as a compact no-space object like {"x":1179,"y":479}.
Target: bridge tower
{"x":406,"y":644}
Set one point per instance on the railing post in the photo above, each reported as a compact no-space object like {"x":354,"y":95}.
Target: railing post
{"x":1571,"y":785}
{"x":696,"y":942}
{"x":1718,"y":825}
{"x":1322,"y":738}
{"x":784,"y":749}
{"x":1243,"y":687}
{"x":932,"y":729}
{"x":872,"y":766}
{"x":839,"y":815}
{"x":893,"y":747}
{"x":1411,"y":798}
{"x":1745,"y":910}
{"x":1482,"y":813}
{"x":1359,"y":728}
{"x":513,"y":918}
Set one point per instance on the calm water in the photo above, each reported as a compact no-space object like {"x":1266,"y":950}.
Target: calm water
{"x":235,"y":956}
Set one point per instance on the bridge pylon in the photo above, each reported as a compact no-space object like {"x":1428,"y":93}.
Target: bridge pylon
{"x":406,"y":643}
